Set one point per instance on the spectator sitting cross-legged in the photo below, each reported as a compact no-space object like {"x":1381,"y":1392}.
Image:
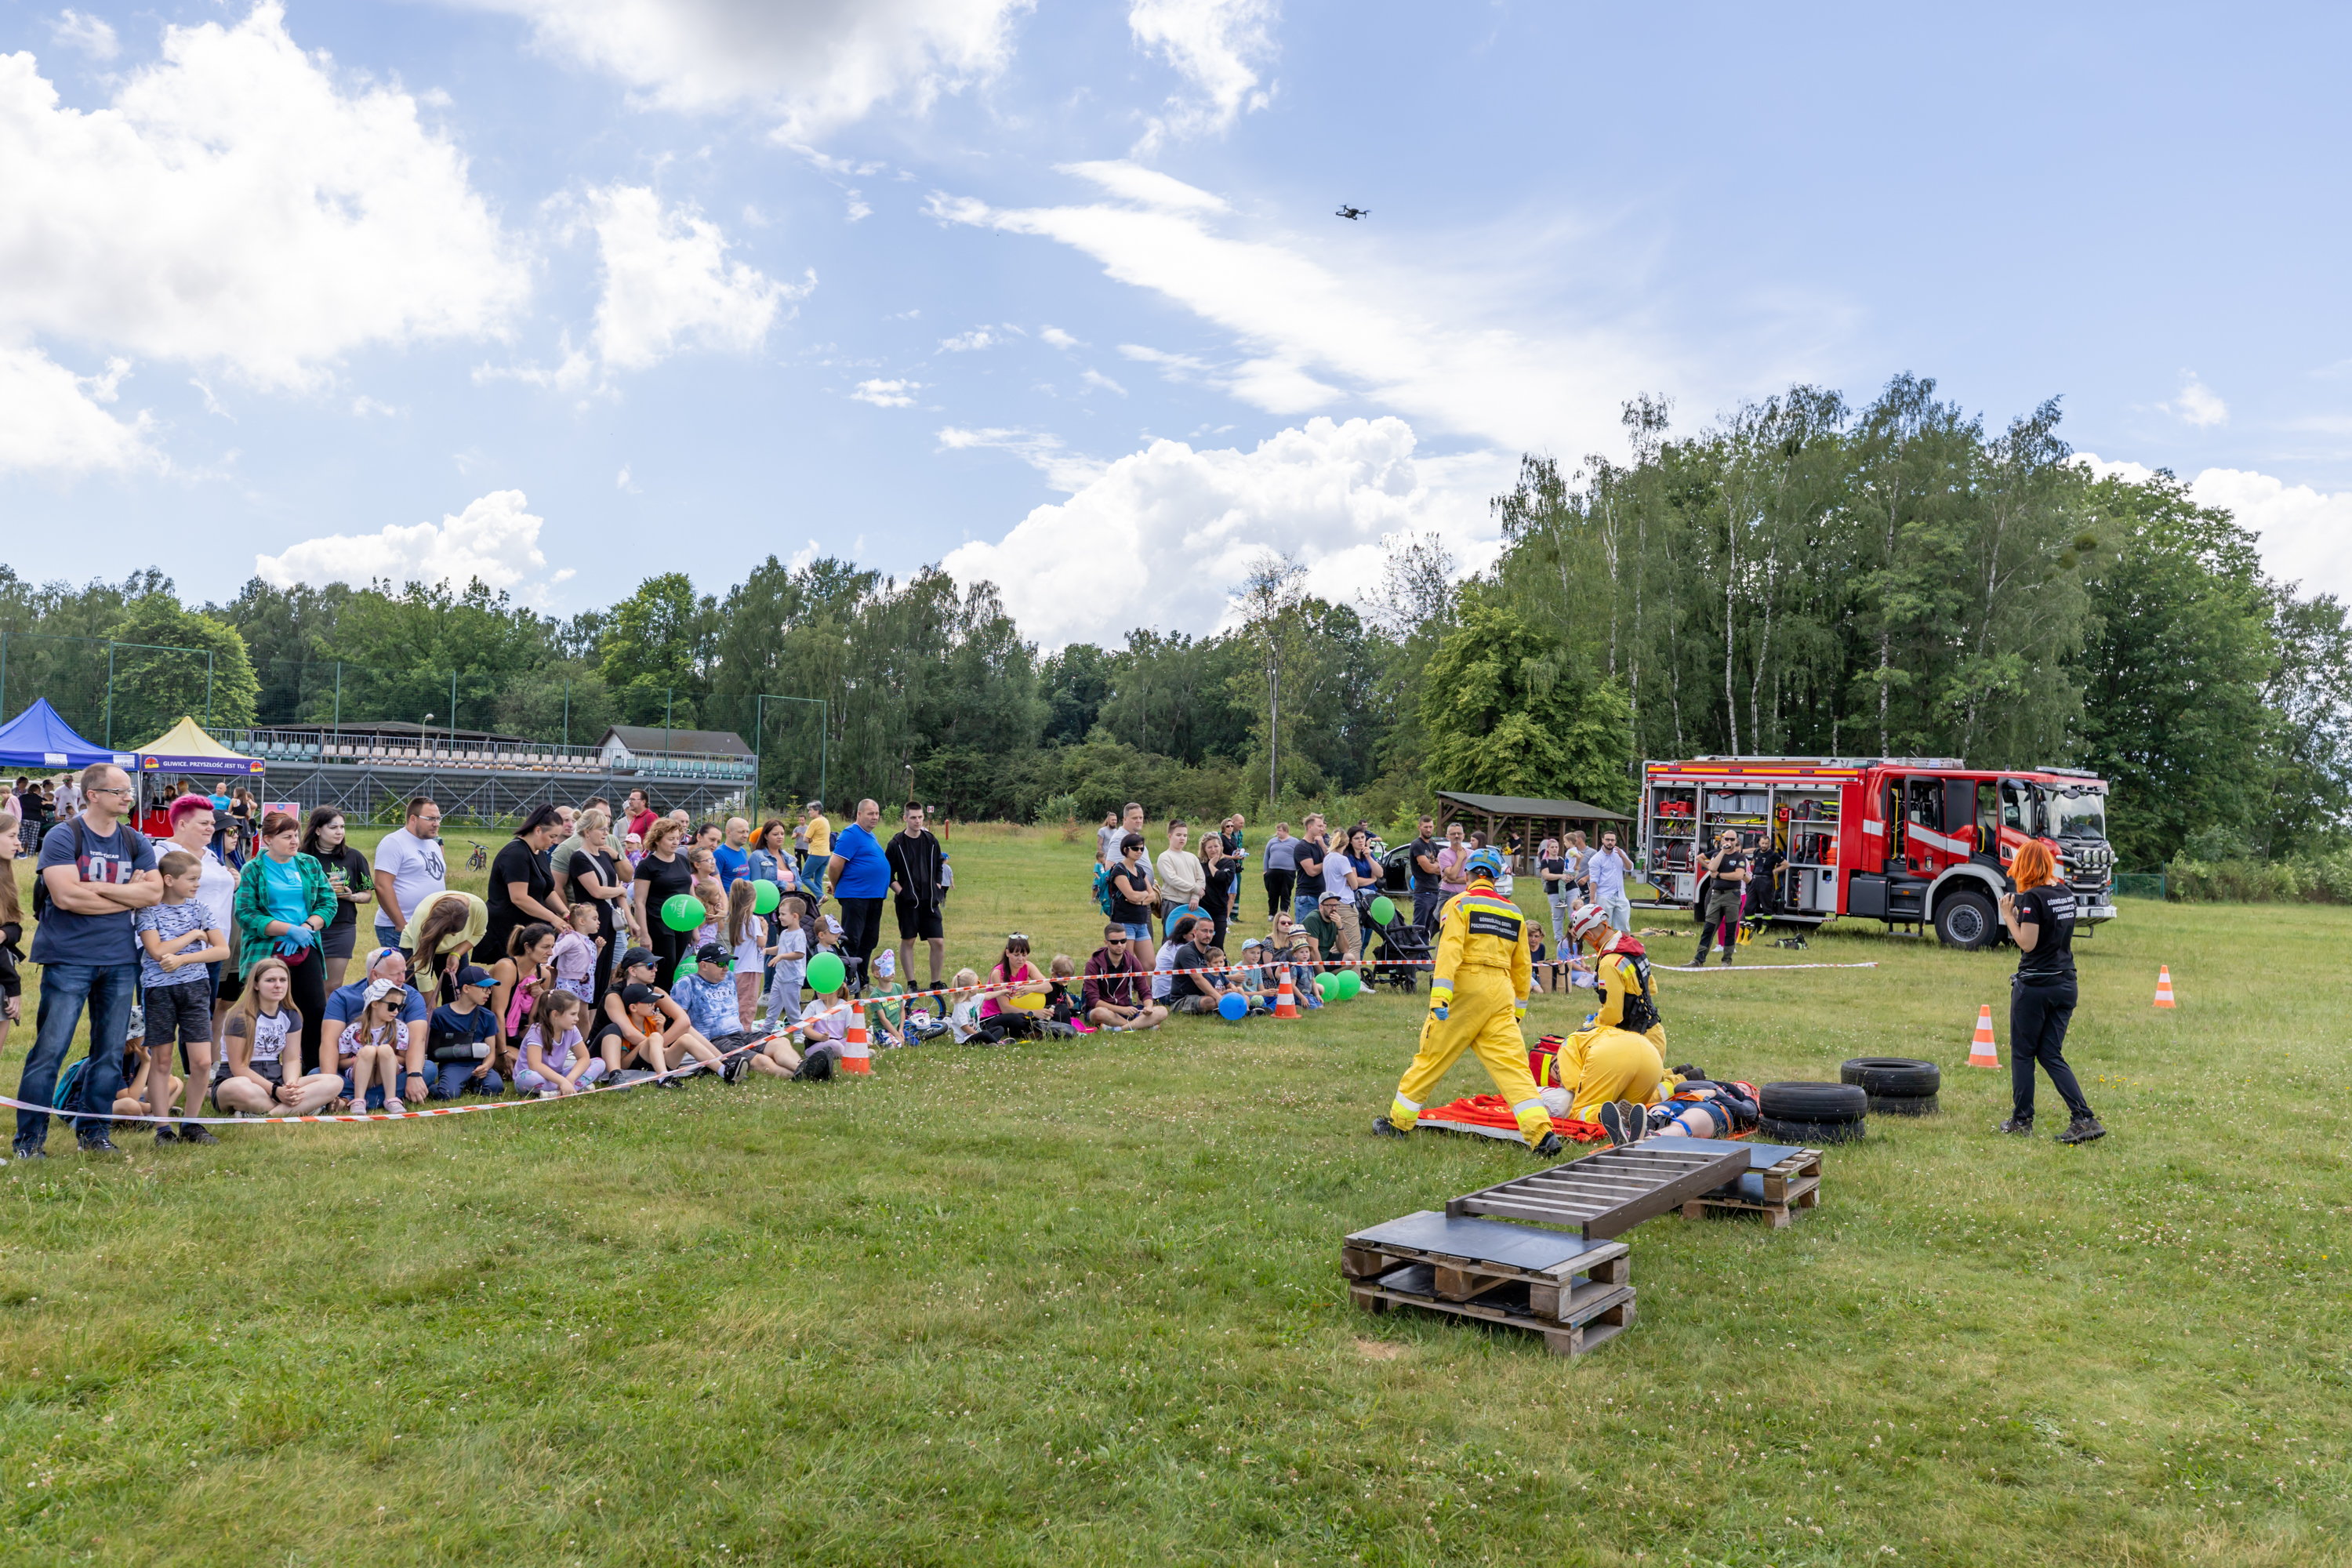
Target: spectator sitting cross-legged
{"x":1115,"y":993}
{"x":1198,"y":988}
{"x":386,"y":975}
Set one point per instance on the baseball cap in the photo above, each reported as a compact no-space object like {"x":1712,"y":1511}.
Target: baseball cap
{"x":1332,"y":899}
{"x":711,"y":953}
{"x":475,"y":974}
{"x":635,"y":956}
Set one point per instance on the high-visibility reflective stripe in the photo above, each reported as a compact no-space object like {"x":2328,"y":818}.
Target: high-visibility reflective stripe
{"x":1411,"y":1106}
{"x":1537,"y":1105}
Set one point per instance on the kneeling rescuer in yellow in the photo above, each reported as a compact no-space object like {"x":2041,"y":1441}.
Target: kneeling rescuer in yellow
{"x":1476,"y":998}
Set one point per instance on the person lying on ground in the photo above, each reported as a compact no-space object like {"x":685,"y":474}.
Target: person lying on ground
{"x":1698,"y":1108}
{"x":254,"y":1065}
{"x":1115,"y":992}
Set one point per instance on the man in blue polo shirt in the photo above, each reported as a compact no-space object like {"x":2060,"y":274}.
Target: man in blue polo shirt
{"x":348,"y":1002}
{"x":857,"y":874}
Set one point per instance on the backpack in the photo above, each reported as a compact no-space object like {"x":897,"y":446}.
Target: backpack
{"x":1102,"y":890}
{"x":67,"y":1097}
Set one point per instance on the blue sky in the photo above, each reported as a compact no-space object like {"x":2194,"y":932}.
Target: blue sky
{"x":565,"y":292}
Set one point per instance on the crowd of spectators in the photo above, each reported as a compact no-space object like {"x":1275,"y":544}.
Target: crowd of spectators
{"x":227,"y":951}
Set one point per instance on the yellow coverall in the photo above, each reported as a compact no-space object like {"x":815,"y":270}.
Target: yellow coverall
{"x":1604,"y":1062}
{"x":1482,"y":979}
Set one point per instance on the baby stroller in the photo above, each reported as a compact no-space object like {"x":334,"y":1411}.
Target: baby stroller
{"x":1403,"y":956}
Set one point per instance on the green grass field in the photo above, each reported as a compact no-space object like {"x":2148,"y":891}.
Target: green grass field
{"x":1080,"y":1302}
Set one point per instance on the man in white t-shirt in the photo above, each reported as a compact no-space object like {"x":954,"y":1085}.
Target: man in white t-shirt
{"x":409,"y":869}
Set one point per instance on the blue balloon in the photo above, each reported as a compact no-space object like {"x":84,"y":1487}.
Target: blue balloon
{"x":1232,"y":1007}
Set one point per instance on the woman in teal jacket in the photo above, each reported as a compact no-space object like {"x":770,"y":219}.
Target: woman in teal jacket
{"x":283,"y":903}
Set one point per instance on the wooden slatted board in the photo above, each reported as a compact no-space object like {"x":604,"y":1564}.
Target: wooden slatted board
{"x":1584,"y":1316}
{"x":1783,"y":1182}
{"x":1610,"y":1192}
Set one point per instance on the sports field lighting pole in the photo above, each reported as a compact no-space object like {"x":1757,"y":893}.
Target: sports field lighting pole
{"x":758,"y":717}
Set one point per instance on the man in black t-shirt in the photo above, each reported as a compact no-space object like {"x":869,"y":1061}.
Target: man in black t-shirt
{"x":1727,"y":874}
{"x":1196,"y":987}
{"x":918,"y":874}
{"x":1421,"y":856}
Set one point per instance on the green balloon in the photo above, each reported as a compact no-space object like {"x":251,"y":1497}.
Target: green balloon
{"x":765,"y":897}
{"x":1350,"y":983}
{"x":825,"y":973}
{"x":1327,"y":985}
{"x":682,"y":912}
{"x":1383,"y":911}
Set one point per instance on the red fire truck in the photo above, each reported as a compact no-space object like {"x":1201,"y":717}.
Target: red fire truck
{"x":1914,"y":841}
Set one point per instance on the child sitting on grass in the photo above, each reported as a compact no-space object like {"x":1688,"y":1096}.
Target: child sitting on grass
{"x":885,"y":1016}
{"x":369,"y":1051}
{"x":554,"y":1059}
{"x":963,"y":1010}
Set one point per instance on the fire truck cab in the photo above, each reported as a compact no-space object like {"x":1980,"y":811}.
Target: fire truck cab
{"x":1910,"y":841}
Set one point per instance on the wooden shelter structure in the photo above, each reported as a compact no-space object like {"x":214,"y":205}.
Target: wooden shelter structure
{"x":1502,"y":817}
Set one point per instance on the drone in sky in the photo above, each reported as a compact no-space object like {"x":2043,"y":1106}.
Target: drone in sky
{"x":1353,"y":212}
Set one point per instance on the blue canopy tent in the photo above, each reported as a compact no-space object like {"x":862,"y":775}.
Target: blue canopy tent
{"x":38,"y":738}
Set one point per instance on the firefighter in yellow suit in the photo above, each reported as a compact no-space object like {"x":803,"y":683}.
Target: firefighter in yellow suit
{"x":1476,"y":998}
{"x":1620,"y":1052}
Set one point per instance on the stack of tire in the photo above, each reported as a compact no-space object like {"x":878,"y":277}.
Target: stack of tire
{"x":1896,"y":1086}
{"x":1812,"y":1113}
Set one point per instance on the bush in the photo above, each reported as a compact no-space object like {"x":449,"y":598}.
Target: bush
{"x":2321,"y":879}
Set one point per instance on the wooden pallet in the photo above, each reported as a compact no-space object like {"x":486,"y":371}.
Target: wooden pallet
{"x":1778,"y":1190}
{"x":1610,"y":1192}
{"x":1576,"y":1293}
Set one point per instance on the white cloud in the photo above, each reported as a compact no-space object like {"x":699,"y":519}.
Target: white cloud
{"x":622,"y":481}
{"x":1162,"y":534}
{"x":815,"y":65}
{"x":2305,"y":535}
{"x":1413,"y":338}
{"x":93,"y":36}
{"x":50,"y":421}
{"x":964,"y":342}
{"x":1040,"y":449}
{"x":234,"y":204}
{"x":1216,"y":45}
{"x":2199,"y":405}
{"x":1096,"y":378}
{"x":364,"y":405}
{"x":1146,"y":187}
{"x":668,"y":281}
{"x":887,"y":394}
{"x":493,"y":539}
{"x":858,"y":207}
{"x":1060,"y":339}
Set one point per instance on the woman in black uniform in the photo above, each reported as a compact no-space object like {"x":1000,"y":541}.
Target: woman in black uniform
{"x":2040,"y":917}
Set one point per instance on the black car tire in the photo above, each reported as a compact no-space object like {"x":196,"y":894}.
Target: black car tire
{"x":1904,"y":1105}
{"x":1812,"y":1101}
{"x":1965,"y":920}
{"x":1810,"y":1133}
{"x":1902,"y":1076}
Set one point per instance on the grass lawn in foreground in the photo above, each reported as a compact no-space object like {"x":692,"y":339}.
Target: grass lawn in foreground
{"x":1081,"y":1302}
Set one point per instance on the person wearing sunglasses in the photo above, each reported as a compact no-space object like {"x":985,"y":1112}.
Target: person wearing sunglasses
{"x":1115,"y":994}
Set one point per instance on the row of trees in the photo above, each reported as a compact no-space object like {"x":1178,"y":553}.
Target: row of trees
{"x":1804,"y":576}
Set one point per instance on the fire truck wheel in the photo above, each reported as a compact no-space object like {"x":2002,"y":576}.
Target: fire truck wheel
{"x":1897,"y":1077}
{"x":1822,"y":1102}
{"x":1812,"y":1133}
{"x":1965,"y":920}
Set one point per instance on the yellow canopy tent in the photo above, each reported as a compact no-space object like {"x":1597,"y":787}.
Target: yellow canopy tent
{"x":184,"y":748}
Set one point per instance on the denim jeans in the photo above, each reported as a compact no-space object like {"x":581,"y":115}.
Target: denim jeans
{"x":66,"y":990}
{"x":450,"y":1079}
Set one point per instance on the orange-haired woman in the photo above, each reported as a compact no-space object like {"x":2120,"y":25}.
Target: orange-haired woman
{"x":2040,"y":917}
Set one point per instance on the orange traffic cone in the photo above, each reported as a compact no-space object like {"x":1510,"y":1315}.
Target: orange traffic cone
{"x":855,"y":1057}
{"x":1981,"y":1052}
{"x":1286,"y":1000}
{"x":2164,"y":987}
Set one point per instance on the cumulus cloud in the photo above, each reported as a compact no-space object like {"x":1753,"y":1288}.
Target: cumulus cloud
{"x":1060,"y":339}
{"x":2198,"y":404}
{"x":2305,"y":534}
{"x":887,"y":394}
{"x":93,"y":36}
{"x":1217,"y":46}
{"x":1130,"y":548}
{"x":236,"y":204}
{"x":815,"y":65}
{"x":495,"y":538}
{"x":668,"y":281}
{"x":1040,"y":449}
{"x":1311,"y":333}
{"x":964,"y":342}
{"x":50,"y":421}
